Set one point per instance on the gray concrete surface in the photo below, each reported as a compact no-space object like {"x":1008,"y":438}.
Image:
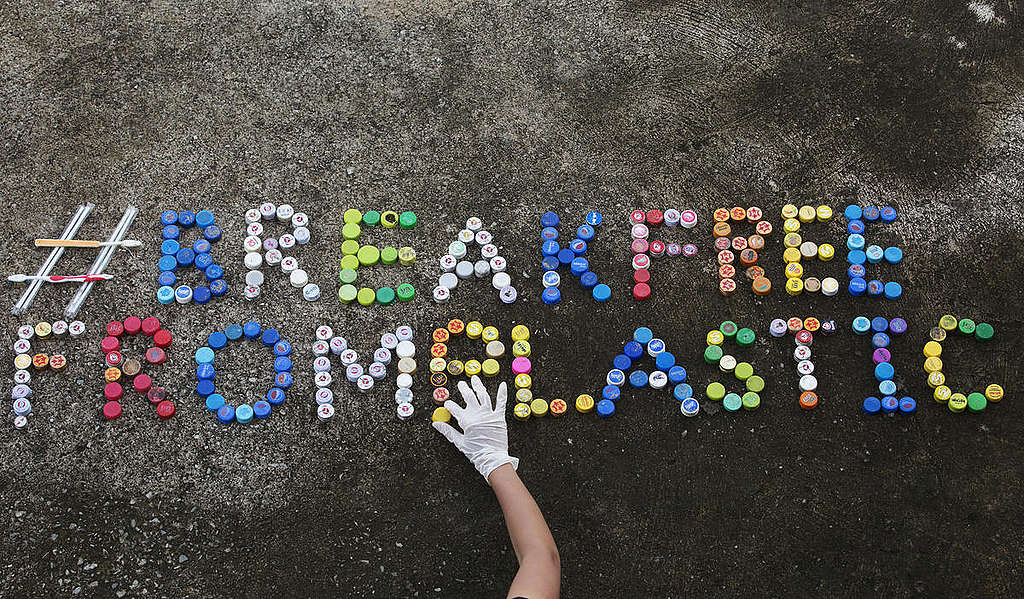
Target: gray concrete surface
{"x":503,"y":111}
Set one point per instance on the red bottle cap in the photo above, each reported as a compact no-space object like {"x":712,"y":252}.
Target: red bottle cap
{"x":655,"y":217}
{"x":150,"y":326}
{"x":112,"y":391}
{"x":156,"y":395}
{"x":165,"y":410}
{"x":115,"y":329}
{"x":641,"y":275}
{"x":155,"y":355}
{"x":637,"y":216}
{"x":111,"y":410}
{"x":142,"y":383}
{"x":110,"y":344}
{"x":641,"y":291}
{"x":657,"y":247}
{"x":114,"y":358}
{"x":132,"y":325}
{"x":162,"y":338}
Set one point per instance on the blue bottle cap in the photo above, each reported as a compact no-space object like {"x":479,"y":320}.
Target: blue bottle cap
{"x":170,"y":232}
{"x":676,"y":374}
{"x":167,"y":263}
{"x":168,"y":217}
{"x":204,"y":355}
{"x":655,"y":346}
{"x":907,"y":405}
{"x":165,"y":295}
{"x":283,"y":380}
{"x":890,"y":404}
{"x":875,"y":288}
{"x":892,"y":290}
{"x":282,"y":348}
{"x":226,"y":414}
{"x":233,"y":331}
{"x":879,"y":324}
{"x":549,"y":233}
{"x":682,"y":392}
{"x":594,"y":218}
{"x":549,"y":262}
{"x":879,"y":340}
{"x":888,"y":214}
{"x":871,"y":214}
{"x":633,"y":349}
{"x":565,"y":256}
{"x":856,"y":271}
{"x":251,"y":329}
{"x":214,"y":402}
{"x":243,"y":413}
{"x":204,"y":218}
{"x":638,"y":379}
{"x":861,"y":325}
{"x":551,"y":296}
{"x":282,"y":364}
{"x":643,"y":335}
{"x":549,"y":219}
{"x":169,"y":247}
{"x":205,"y":387}
{"x":884,"y":371}
{"x":212,"y":232}
{"x":615,"y":377}
{"x":550,"y":248}
{"x":205,"y":372}
{"x":585,"y":232}
{"x":578,"y":266}
{"x":855,"y":242}
{"x":214,"y":272}
{"x":217,"y":340}
{"x":622,"y":362}
{"x":887,"y":387}
{"x":275,"y":396}
{"x":872,"y":405}
{"x":602,"y":292}
{"x":186,"y":218}
{"x":201,"y":246}
{"x":856,"y":227}
{"x":897,"y":326}
{"x":203,"y":261}
{"x":893,"y":255}
{"x":588,"y":280}
{"x":853,"y":212}
{"x":578,"y":246}
{"x":874,"y":254}
{"x":201,"y":295}
{"x":690,"y":407}
{"x":605,"y":408}
{"x":270,"y":337}
{"x":858,"y":286}
{"x":185,"y":257}
{"x":261,"y":409}
{"x":218,"y":287}
{"x":183,"y":294}
{"x":551,"y":278}
{"x":610,"y":393}
{"x":166,"y":279}
{"x":665,"y":361}
{"x":856,"y":257}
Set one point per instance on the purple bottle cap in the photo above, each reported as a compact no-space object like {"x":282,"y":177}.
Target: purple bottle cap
{"x":898,"y":326}
{"x":673,"y":250}
{"x":881,"y":355}
{"x":690,"y":250}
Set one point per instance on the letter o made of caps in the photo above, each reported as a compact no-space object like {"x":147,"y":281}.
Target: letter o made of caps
{"x":933,"y":365}
{"x":728,"y":244}
{"x":27,"y":361}
{"x":120,"y":368}
{"x":276,"y":251}
{"x":206,"y":372}
{"x":356,"y":256}
{"x":177,"y":258}
{"x":743,"y":371}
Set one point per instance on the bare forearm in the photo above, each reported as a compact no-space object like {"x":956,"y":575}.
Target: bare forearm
{"x":539,"y":568}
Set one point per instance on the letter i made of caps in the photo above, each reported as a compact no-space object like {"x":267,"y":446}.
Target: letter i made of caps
{"x":882,"y":330}
{"x":25,"y":359}
{"x":178,"y":256}
{"x":262,"y":247}
{"x":456,"y":265}
{"x":803,"y":331}
{"x":644,"y":250}
{"x":355,"y":256}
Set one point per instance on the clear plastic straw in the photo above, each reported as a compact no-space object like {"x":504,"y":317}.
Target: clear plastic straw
{"x":101,"y":261}
{"x":83,"y":212}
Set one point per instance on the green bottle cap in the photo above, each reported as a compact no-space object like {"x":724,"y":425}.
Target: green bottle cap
{"x":366,"y":296}
{"x":743,"y":371}
{"x":407,"y":220}
{"x":371,"y":218}
{"x":755,"y":384}
{"x":347,"y":275}
{"x":389,"y":255}
{"x":976,"y":402}
{"x":713,"y":354}
{"x":732,"y":402}
{"x":984,"y":331}
{"x":347,"y":294}
{"x":966,"y":326}
{"x":352,"y":216}
{"x":368,"y":255}
{"x":350,"y":231}
{"x":728,"y":329}
{"x":349,"y":261}
{"x":745,"y":337}
{"x":386,"y":296}
{"x":715,"y":391}
{"x":406,"y":292}
{"x":349,"y":247}
{"x":751,"y":400}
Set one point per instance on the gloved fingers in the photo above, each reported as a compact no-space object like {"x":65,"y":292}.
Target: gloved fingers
{"x":501,"y":398}
{"x":457,"y":411}
{"x":468,"y":395}
{"x":481,"y":393}
{"x":449,"y":433}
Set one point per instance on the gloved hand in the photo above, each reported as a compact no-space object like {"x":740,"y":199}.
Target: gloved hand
{"x":484,"y":437}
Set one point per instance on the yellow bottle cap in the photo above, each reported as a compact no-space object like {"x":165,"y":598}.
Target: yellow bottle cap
{"x":407,"y":365}
{"x":792,"y":240}
{"x":389,"y":219}
{"x":957,"y":402}
{"x":791,"y":255}
{"x":948,"y":322}
{"x":935,"y":379}
{"x":455,"y":367}
{"x":524,"y":395}
{"x":495,"y":349}
{"x":791,"y":225}
{"x":932,"y":349}
{"x":557,"y":407}
{"x":521,"y":411}
{"x":523,"y":381}
{"x":933,"y":364}
{"x":43,"y":329}
{"x":40,"y":360}
{"x":474,"y":329}
{"x":794,"y":286}
{"x":807,"y":214}
{"x":826,"y":252}
{"x":790,"y":211}
{"x":472,"y":367}
{"x":350,"y":231}
{"x":438,"y":365}
{"x":352,"y":216}
{"x":942,"y":393}
{"x":22,"y":361}
{"x":349,"y":261}
{"x":349,"y":247}
{"x":520,"y":333}
{"x":794,"y":270}
{"x":112,"y":374}
{"x":715,"y":337}
{"x":539,"y":407}
{"x":521,"y":349}
{"x":441,"y":415}
{"x":406,"y":256}
{"x":994,"y":392}
{"x":366,"y":296}
{"x":491,"y":367}
{"x":584,"y":404}
{"x":456,"y":326}
{"x":490,"y":334}
{"x":823,"y":213}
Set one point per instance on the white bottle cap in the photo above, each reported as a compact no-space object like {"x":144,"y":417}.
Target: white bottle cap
{"x":285,"y":212}
{"x":466,"y":236}
{"x":481,"y":268}
{"x":320,"y":348}
{"x":22,"y":346}
{"x":339,"y":345}
{"x":657,"y":380}
{"x":289,"y":264}
{"x":382,"y":355}
{"x":500,"y":280}
{"x":252,"y":216}
{"x":365,"y":383}
{"x":22,"y":407}
{"x":484,"y":237}
{"x":302,"y":235}
{"x":405,"y":349}
{"x":448,"y":263}
{"x":808,"y":382}
{"x":474,"y":223}
{"x":805,"y":367}
{"x":252,"y":244}
{"x":76,"y":328}
{"x":321,"y":364}
{"x":20,"y":391}
{"x":273,"y":257}
{"x":253,"y":260}
{"x":323,"y":379}
{"x":311,"y":292}
{"x":389,"y":341}
{"x":404,"y":410}
{"x":353,"y":372}
{"x":26,"y":331}
{"x":254,"y":277}
{"x":457,"y":249}
{"x":489,"y":251}
{"x":688,"y":218}
{"x":464,"y":269}
{"x":498,"y":264}
{"x":183,"y":294}
{"x":404,"y":380}
{"x":403,"y":395}
{"x":727,"y":363}
{"x":298,"y":278}
{"x":829,"y":286}
{"x":60,"y":328}
{"x":324,"y":395}
{"x":22,"y":377}
{"x":551,"y":278}
{"x":254,"y":229}
{"x":251,"y":292}
{"x":20,"y":422}
{"x":404,"y":333}
{"x":286,"y":241}
{"x":801,"y":353}
{"x":300,"y":219}
{"x":377,"y":371}
{"x":325,"y":412}
{"x":348,"y":357}
{"x":441,"y":294}
{"x":324,"y":332}
{"x":268,"y":211}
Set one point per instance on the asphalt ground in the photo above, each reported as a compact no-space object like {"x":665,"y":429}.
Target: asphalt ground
{"x":505,"y":111}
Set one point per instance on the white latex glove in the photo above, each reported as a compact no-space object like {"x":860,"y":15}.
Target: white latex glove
{"x":484,"y":436}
